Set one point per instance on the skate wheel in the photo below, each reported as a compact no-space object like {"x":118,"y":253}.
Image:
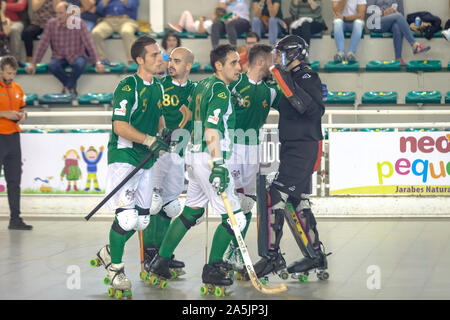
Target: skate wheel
{"x":174,"y":274}
{"x":106,"y":280}
{"x":284,"y":275}
{"x":153,"y":280}
{"x":127,"y":294}
{"x":204,"y":290}
{"x":94,"y":262}
{"x":238,"y":276}
{"x":118,"y":294}
{"x":111,"y":292}
{"x":323,"y":276}
{"x":303,"y":278}
{"x":219,"y":292}
{"x":163,"y":284}
{"x":143,"y":275}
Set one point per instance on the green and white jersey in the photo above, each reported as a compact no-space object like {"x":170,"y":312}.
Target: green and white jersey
{"x":175,"y":95}
{"x":252,"y":102}
{"x":211,"y":108}
{"x":137,"y":102}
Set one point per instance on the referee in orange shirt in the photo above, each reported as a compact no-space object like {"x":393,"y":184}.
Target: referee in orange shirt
{"x":11,"y":115}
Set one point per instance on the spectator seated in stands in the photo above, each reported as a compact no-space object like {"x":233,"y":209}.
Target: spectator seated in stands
{"x":268,"y":17}
{"x":348,"y":16}
{"x":14,"y":10}
{"x":42,"y":11}
{"x":120,"y":16}
{"x":88,"y":11}
{"x":202,"y":25}
{"x":306,"y":18}
{"x":169,"y":42}
{"x":388,"y":16}
{"x":69,"y":45}
{"x":236,"y":21}
{"x":250,"y":40}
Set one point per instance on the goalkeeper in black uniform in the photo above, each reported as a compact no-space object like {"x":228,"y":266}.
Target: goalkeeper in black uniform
{"x":300,"y":131}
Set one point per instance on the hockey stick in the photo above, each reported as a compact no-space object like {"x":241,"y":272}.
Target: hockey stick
{"x":245,"y":255}
{"x":143,"y":273}
{"x":120,"y":185}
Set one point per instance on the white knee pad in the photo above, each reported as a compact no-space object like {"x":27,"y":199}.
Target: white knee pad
{"x":142,"y":222}
{"x":240,"y":219}
{"x":127,"y":219}
{"x":172,"y":209}
{"x":246,"y":203}
{"x":157,"y":203}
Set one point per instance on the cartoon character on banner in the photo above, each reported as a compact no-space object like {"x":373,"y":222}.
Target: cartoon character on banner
{"x":71,"y":169}
{"x":92,"y":157}
{"x":45,"y":184}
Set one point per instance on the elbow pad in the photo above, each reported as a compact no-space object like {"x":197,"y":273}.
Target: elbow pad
{"x":289,"y":89}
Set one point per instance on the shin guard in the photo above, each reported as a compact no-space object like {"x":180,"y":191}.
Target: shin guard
{"x":303,"y":227}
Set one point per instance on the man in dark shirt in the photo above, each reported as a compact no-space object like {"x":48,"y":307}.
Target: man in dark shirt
{"x":120,"y":16}
{"x":300,"y":131}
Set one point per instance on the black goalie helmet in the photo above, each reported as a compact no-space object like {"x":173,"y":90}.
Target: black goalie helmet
{"x":289,"y":49}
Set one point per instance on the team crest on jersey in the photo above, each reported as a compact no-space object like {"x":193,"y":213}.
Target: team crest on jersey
{"x":235,"y":173}
{"x":215,"y":118}
{"x":129,"y":194}
{"x":222,"y":95}
{"x":123,"y":108}
{"x":265,"y":104}
{"x":126,"y":88}
{"x":159,"y":104}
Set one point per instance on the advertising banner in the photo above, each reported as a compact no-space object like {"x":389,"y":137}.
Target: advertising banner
{"x":389,"y":163}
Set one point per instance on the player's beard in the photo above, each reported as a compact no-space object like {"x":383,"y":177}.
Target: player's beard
{"x":7,"y":81}
{"x":173,"y":72}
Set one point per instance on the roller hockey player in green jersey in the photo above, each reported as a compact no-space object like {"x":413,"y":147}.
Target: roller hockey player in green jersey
{"x":252,"y":99}
{"x":211,"y":141}
{"x":168,"y":171}
{"x":136,"y":121}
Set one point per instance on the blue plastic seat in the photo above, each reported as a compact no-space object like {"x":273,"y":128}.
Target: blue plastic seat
{"x":341,"y":97}
{"x":56,"y":98}
{"x":379,"y":97}
{"x":423,"y":97}
{"x":383,"y":65}
{"x":95,"y":98}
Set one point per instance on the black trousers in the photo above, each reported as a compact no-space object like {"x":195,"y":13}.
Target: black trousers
{"x":11,"y":162}
{"x":29,"y":34}
{"x":232,"y":29}
{"x":297,"y":160}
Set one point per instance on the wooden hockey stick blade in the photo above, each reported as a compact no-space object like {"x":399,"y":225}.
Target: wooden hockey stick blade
{"x":245,"y":255}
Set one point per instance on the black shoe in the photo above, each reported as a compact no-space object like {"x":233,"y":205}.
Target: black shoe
{"x":272,"y":263}
{"x":18,"y":224}
{"x":21,"y":64}
{"x":160,"y":267}
{"x":215,"y":274}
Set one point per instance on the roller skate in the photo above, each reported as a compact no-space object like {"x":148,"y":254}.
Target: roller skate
{"x":272,"y":263}
{"x":120,"y":285}
{"x":159,"y":272}
{"x":103,"y":258}
{"x":216,"y":279}
{"x":175,"y":266}
{"x":301,"y":268}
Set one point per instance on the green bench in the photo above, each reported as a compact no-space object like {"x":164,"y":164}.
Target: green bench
{"x":424,"y":65}
{"x":383,"y":65}
{"x":347,"y":34}
{"x":341,"y":97}
{"x":56,"y":98}
{"x":40,"y":68}
{"x":315,"y":65}
{"x":30,"y":98}
{"x":423,"y":97}
{"x":344,"y":66}
{"x":95,"y":98}
{"x":376,"y":129}
{"x":114,"y":67}
{"x":379,"y":97}
{"x":447,"y":97}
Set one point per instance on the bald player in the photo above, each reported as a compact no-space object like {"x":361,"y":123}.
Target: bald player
{"x":168,"y":179}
